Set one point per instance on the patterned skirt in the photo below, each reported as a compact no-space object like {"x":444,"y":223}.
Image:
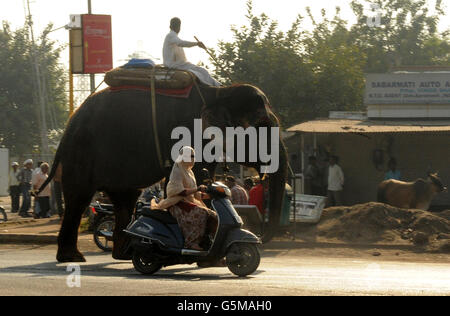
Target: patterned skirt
{"x":194,"y":223}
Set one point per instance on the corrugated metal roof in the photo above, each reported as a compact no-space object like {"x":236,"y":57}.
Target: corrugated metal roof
{"x":366,"y":126}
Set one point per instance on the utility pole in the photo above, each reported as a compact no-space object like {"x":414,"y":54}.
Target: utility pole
{"x":92,"y":76}
{"x":40,"y":89}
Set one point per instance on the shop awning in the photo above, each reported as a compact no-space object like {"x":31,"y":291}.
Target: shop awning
{"x":367,"y":127}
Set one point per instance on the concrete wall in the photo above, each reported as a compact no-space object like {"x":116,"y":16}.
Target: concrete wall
{"x":416,"y":154}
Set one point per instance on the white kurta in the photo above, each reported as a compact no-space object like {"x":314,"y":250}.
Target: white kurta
{"x":335,"y":178}
{"x":174,"y":57}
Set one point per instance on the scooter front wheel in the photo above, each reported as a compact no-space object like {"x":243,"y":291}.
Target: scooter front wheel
{"x":103,"y":233}
{"x":145,"y":265}
{"x":243,"y":259}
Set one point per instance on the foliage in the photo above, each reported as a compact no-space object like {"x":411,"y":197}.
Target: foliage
{"x":306,"y":74}
{"x":19,"y":105}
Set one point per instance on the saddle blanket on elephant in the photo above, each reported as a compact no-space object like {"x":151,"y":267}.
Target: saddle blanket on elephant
{"x":175,"y":93}
{"x":165,"y":78}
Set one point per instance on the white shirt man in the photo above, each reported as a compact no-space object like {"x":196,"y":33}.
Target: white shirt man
{"x":174,"y":56}
{"x":335,"y":183}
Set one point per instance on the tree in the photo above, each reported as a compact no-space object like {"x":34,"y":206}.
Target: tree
{"x":19,"y":130}
{"x":407,"y":35}
{"x":305,"y":74}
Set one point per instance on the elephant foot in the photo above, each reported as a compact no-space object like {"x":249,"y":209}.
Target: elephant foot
{"x":73,"y":256}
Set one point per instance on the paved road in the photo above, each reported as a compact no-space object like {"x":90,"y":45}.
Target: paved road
{"x":32,"y":270}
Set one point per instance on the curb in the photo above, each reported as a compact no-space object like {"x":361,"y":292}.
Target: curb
{"x":292,"y":244}
{"x":28,"y":239}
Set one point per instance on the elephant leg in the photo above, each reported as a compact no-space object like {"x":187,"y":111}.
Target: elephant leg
{"x":124,"y":204}
{"x":76,"y":203}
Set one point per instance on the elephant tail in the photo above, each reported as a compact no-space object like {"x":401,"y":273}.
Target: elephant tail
{"x":52,"y":173}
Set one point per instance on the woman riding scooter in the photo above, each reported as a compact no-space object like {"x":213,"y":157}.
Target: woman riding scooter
{"x":184,"y":202}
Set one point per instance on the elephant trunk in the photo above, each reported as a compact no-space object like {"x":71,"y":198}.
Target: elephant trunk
{"x":277,"y":185}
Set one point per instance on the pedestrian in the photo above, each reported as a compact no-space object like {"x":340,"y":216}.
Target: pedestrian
{"x":43,"y":199}
{"x":24,"y":178}
{"x":248,"y":184}
{"x":392,"y":173}
{"x":313,"y":177}
{"x":238,"y":194}
{"x":36,"y":207}
{"x":14,"y":187}
{"x":257,"y":195}
{"x":335,"y":182}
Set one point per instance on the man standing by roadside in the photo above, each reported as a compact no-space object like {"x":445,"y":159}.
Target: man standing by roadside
{"x":238,"y":194}
{"x":257,"y":195}
{"x":313,"y":177}
{"x":43,"y":199}
{"x":24,"y":178}
{"x":335,"y":183}
{"x":14,"y":188}
{"x":36,"y":207}
{"x":392,"y":173}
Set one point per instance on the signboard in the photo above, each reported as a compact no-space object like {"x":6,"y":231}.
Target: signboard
{"x":97,"y":43}
{"x":408,"y":88}
{"x":308,"y":208}
{"x":4,"y":171}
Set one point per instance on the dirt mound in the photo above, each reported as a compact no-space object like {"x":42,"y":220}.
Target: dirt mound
{"x":380,"y":223}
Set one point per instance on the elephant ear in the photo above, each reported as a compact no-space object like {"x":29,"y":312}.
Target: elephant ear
{"x":238,"y":105}
{"x":217,"y":116}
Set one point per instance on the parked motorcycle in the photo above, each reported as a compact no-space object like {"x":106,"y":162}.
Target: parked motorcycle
{"x":104,"y":220}
{"x":103,"y":225}
{"x":157,"y":240}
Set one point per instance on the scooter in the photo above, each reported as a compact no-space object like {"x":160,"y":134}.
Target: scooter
{"x":157,"y":240}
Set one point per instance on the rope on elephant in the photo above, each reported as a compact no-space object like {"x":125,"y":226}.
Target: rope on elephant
{"x":194,"y":79}
{"x":155,"y":126}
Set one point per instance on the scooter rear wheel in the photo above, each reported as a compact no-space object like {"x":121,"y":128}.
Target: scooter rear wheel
{"x":144,"y":265}
{"x":243,"y":259}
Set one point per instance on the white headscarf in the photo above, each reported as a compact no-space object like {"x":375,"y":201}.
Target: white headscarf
{"x":181,"y":178}
{"x":185,"y":155}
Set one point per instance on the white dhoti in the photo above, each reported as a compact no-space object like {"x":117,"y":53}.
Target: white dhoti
{"x":201,"y":73}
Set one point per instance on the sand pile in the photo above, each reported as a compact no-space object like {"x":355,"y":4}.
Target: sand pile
{"x":380,"y":223}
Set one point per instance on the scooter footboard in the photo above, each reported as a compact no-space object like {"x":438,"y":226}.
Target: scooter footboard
{"x":240,"y":235}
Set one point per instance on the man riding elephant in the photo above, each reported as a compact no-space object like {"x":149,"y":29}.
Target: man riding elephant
{"x":174,"y":56}
{"x":113,"y":126}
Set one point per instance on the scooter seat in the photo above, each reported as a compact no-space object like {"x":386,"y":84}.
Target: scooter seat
{"x":159,"y":215}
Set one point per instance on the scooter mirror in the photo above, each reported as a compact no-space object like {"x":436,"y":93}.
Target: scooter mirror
{"x":205,"y":174}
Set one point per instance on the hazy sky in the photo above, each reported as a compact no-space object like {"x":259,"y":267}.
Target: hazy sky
{"x":143,"y":24}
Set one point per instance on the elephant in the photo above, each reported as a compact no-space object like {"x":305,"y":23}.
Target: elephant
{"x":109,"y":145}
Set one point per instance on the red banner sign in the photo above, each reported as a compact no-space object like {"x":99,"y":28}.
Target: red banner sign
{"x":97,"y":43}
